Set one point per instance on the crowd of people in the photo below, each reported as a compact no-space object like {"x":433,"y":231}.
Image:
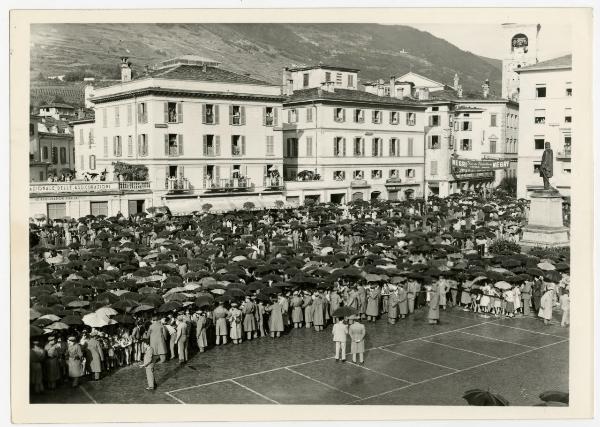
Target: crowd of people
{"x":112,"y":292}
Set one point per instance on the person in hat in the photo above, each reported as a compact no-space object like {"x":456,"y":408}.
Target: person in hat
{"x":235,"y":323}
{"x":74,"y":360}
{"x":357,"y":334}
{"x":334,"y":302}
{"x":434,"y":306}
{"x":442,"y":290}
{"x":275,"y":311}
{"x":392,"y":309}
{"x":94,"y":355}
{"x":402,"y":301}
{"x":546,"y":305}
{"x":181,"y":339}
{"x":51,"y":364}
{"x":201,"y":327}
{"x":148,"y":362}
{"x":36,"y":361}
{"x":136,"y":336}
{"x":362,"y":300}
{"x":249,"y":323}
{"x":220,"y":315}
{"x":61,"y":352}
{"x":373,"y":297}
{"x":260,"y":314}
{"x":318,"y":311}
{"x":565,"y":302}
{"x":340,"y":332}
{"x":297,"y":315}
{"x":158,"y":338}
{"x":412,"y":290}
{"x":308,"y":309}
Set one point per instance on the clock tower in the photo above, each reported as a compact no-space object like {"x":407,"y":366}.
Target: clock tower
{"x":521,"y":43}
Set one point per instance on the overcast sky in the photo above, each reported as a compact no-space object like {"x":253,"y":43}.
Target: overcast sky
{"x":554,"y":40}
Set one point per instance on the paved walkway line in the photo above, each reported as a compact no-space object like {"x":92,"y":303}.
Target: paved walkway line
{"x":322,"y":383}
{"x":533,"y":332}
{"x":381,"y":373}
{"x":497,"y":339}
{"x":87,"y":394}
{"x":458,"y":371}
{"x":255,"y":392}
{"x":420,"y":360}
{"x":168,"y":393}
{"x":458,"y":348}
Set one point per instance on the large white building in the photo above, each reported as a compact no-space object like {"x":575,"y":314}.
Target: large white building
{"x":546,"y":115}
{"x":342,"y":144}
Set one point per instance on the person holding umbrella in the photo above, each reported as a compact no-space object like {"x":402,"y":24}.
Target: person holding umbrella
{"x":235,"y":322}
{"x":357,"y":334}
{"x":373,"y":297}
{"x":392,"y":309}
{"x":95,"y":355}
{"x":340,"y":331}
{"x":318,"y":311}
{"x":36,"y":359}
{"x":402,"y":301}
{"x":275,"y":318}
{"x":181,"y":338}
{"x":308,"y":309}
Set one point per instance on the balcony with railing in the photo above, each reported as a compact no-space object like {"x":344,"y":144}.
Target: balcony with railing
{"x":88,"y":187}
{"x":226,"y":185}
{"x":178,"y":185}
{"x":273,"y":183}
{"x":564,"y":154}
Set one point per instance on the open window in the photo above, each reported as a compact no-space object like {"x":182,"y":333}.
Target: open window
{"x":238,"y":145}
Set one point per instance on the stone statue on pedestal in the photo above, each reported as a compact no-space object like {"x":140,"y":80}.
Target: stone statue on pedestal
{"x":547,"y":166}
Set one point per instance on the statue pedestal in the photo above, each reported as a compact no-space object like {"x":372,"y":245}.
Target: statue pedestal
{"x":545,"y":226}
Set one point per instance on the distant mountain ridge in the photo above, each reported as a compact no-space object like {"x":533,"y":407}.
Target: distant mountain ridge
{"x":262,"y":50}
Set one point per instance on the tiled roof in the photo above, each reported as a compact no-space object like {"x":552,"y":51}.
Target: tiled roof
{"x":51,"y":121}
{"x":324,"y":67}
{"x":560,"y":62}
{"x":451,"y":95}
{"x":347,"y":95}
{"x":215,"y":74}
{"x":56,"y":105}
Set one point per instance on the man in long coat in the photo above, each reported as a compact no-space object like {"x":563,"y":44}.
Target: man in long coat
{"x":297,"y":315}
{"x":275,"y":311}
{"x":373,"y":298}
{"x":181,"y":339}
{"x":148,"y":363}
{"x":308,"y":310}
{"x":74,"y":360}
{"x":334,"y":302}
{"x":201,"y":326}
{"x":51,"y":363}
{"x":392,"y":310}
{"x":249,"y":322}
{"x":411,"y":294}
{"x":546,"y":304}
{"x":526,"y":297}
{"x":220,"y":315}
{"x":402,"y":301}
{"x":95,"y":354}
{"x":318,"y":312}
{"x":362,"y":301}
{"x":434,"y":307}
{"x":536,"y":293}
{"x":340,"y":331}
{"x":357,"y":334}
{"x":158,"y":339}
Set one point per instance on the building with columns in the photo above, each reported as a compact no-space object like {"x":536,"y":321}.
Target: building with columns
{"x":547,"y":109}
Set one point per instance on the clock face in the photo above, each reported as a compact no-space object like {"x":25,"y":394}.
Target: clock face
{"x":520,"y":40}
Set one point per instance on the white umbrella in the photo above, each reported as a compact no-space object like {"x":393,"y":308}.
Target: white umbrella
{"x":546,"y":266}
{"x":191,"y":286}
{"x":119,"y":292}
{"x":239,"y":258}
{"x":56,"y":326}
{"x":503,"y":285}
{"x":106,"y":311}
{"x":95,"y":320}
{"x":52,"y":317}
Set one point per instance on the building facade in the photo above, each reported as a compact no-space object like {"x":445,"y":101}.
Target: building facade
{"x":51,"y":148}
{"x":522,"y":51}
{"x":546,"y":115}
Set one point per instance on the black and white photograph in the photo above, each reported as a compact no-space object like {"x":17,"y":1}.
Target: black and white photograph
{"x":304,"y":213}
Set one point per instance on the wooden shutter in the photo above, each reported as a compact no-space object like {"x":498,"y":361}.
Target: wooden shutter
{"x":204,"y":114}
{"x":139,"y":113}
{"x":343,"y":146}
{"x":410,"y":147}
{"x":129,"y":114}
{"x":179,"y":112}
{"x":216,"y":113}
{"x":139,"y":146}
{"x":391,"y":117}
{"x":289,"y":116}
{"x":275,"y":120}
{"x":373,"y":116}
{"x":362,"y":146}
{"x":335,"y":119}
{"x":380,"y":147}
{"x":264,"y":116}
{"x":181,"y":171}
{"x":114,"y":146}
{"x":217,"y":144}
{"x":166,"y":144}
{"x":246,"y":171}
{"x":217,"y":170}
{"x":335,"y":147}
{"x":243,"y":115}
{"x":105,"y":147}
{"x":343,"y":114}
{"x":309,"y":146}
{"x":205,"y":145}
{"x":243,"y":138}
{"x":180,"y":144}
{"x":166,"y":112}
{"x":470,"y":145}
{"x":374,"y":147}
{"x":167,"y":175}
{"x":204,"y":171}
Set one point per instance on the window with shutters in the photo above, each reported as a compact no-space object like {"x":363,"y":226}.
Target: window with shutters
{"x":467,"y":125}
{"x":358,"y":174}
{"x":91,"y":137}
{"x":143,"y":145}
{"x":142,"y":113}
{"x":409,"y":147}
{"x":539,"y":117}
{"x":104,"y":118}
{"x":339,"y":175}
{"x":339,"y":114}
{"x":377,"y":147}
{"x":92,"y":162}
{"x":339,"y":146}
{"x":376,"y":174}
{"x":105,"y":152}
{"x":411,"y":119}
{"x":434,"y":142}
{"x":211,"y":146}
{"x":210,"y":114}
{"x":305,"y":79}
{"x":171,"y":112}
{"x":377,"y":114}
{"x":270,"y":145}
{"x":292,"y":147}
{"x":394,"y":147}
{"x":236,"y":171}
{"x":539,"y":142}
{"x":359,"y":147}
{"x":237,"y":115}
{"x":269,"y":118}
{"x":434,"y":120}
{"x":309,"y":114}
{"x":293,"y":116}
{"x":327,"y":76}
{"x":309,"y":146}
{"x":493,"y":120}
{"x":56,"y":210}
{"x":117,"y":146}
{"x":465,"y":144}
{"x":44,"y":153}
{"x":359,"y":116}
{"x":172,"y":148}
{"x":130,"y":146}
{"x":493,"y":146}
{"x":410,"y":173}
{"x":99,"y":208}
{"x":394,"y":173}
{"x":129,"y":114}
{"x":350,"y":80}
{"x":394,"y":117}
{"x":63,"y":155}
{"x":540,"y":91}
{"x":238,"y":145}
{"x":433,"y":169}
{"x":117,"y":116}
{"x":338,"y":79}
{"x":568,"y":115}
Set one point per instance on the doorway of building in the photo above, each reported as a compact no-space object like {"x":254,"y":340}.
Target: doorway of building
{"x":358,"y":195}
{"x":136,"y":206}
{"x":338,"y":198}
{"x":314,"y":198}
{"x":375,"y":195}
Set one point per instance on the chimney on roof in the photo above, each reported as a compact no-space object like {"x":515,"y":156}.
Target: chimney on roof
{"x":485,"y":88}
{"x":380,"y":88}
{"x":125,"y":69}
{"x":393,"y":86}
{"x":287,"y":86}
{"x":459,"y":91}
{"x":423,"y":93}
{"x":455,"y":86}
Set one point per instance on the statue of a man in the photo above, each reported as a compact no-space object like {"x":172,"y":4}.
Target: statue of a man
{"x":547,"y":165}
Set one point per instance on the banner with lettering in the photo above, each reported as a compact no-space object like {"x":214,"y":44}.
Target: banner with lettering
{"x":467,"y":165}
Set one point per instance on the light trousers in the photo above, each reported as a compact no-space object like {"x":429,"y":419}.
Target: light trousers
{"x":340,"y":346}
{"x":150,"y":375}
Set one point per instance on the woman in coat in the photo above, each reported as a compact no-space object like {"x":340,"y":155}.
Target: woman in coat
{"x":402,"y":301}
{"x":249,"y":323}
{"x":392,"y":306}
{"x":372,"y":310}
{"x":385,"y":293}
{"x":235,"y":323}
{"x":362,"y":301}
{"x":220,"y":315}
{"x":357,"y":334}
{"x":275,"y":311}
{"x":308,"y":310}
{"x":434,"y":306}
{"x":74,"y":361}
{"x":201,"y":326}
{"x":334,"y":302}
{"x":318,"y":312}
{"x":52,"y":364}
{"x":36,"y":360}
{"x":546,"y":303}
{"x":442,"y":290}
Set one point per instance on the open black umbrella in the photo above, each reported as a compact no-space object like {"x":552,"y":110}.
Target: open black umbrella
{"x":344,"y":311}
{"x":478,"y":397}
{"x":555,"y":396}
